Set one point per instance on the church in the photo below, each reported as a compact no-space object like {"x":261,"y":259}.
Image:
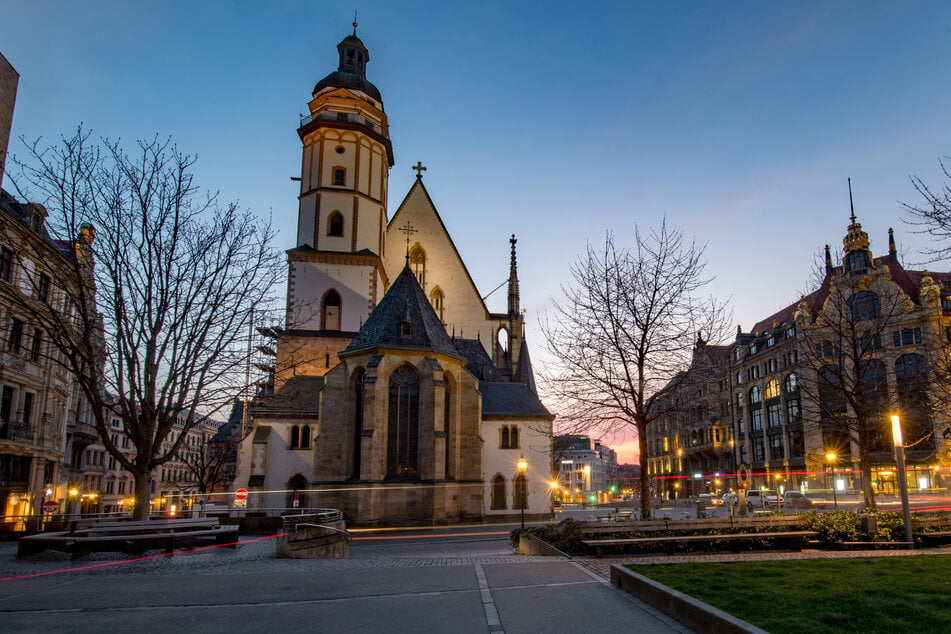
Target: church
{"x":398,"y":396}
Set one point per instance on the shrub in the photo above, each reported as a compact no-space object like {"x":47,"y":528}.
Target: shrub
{"x":565,"y":536}
{"x":834,"y":527}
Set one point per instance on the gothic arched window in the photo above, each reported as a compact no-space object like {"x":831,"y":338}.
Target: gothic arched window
{"x":504,"y":442}
{"x":417,"y":260}
{"x":864,"y":305}
{"x":498,"y":492}
{"x":402,"y":443}
{"x":335,"y":224}
{"x":295,"y":437}
{"x":438,"y":300}
{"x":305,"y":437}
{"x":330,"y":311}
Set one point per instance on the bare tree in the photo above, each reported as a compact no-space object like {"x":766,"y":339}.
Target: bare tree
{"x":933,"y":215}
{"x":175,"y":274}
{"x":625,"y":329}
{"x":208,"y":466}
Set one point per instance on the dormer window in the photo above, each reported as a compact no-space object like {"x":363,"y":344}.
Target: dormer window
{"x":856,"y":261}
{"x":406,"y":329}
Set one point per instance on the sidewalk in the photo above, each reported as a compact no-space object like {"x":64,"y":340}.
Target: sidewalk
{"x":481,"y":588}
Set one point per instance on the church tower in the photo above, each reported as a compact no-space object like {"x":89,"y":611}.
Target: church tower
{"x":336,"y":274}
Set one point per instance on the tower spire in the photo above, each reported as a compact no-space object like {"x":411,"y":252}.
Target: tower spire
{"x":851,"y":204}
{"x":828,"y":260}
{"x":892,"y":251}
{"x":514,"y":310}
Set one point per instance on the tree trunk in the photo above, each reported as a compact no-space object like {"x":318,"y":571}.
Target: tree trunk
{"x":646,"y":499}
{"x":143,"y":493}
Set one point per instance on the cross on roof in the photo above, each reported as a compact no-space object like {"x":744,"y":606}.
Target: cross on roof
{"x":419,"y":169}
{"x":409,"y":231}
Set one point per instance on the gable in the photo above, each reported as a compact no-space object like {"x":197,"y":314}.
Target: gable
{"x":465,"y":313}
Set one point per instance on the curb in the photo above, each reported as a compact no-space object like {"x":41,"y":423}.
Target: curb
{"x":696,"y":615}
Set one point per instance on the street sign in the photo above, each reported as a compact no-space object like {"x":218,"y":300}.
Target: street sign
{"x":50,"y":507}
{"x":241,"y":494}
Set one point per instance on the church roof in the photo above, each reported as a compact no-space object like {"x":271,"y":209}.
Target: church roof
{"x":351,"y":73}
{"x":478,"y":362}
{"x":404,"y":319}
{"x":524,"y":373}
{"x":299,"y":395}
{"x":511,"y":400}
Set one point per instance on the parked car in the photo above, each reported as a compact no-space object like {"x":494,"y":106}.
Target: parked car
{"x":709,"y":499}
{"x":762,"y":499}
{"x":731,"y":500}
{"x":798,"y":500}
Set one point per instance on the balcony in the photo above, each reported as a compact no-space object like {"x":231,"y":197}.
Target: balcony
{"x":84,"y":433}
{"x":18,"y":432}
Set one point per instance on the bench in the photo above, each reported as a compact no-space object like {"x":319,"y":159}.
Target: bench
{"x":134,"y":537}
{"x":793,"y":540}
{"x":935,"y":538}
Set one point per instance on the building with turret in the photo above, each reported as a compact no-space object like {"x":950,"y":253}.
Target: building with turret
{"x":398,"y":395}
{"x":803,"y":400}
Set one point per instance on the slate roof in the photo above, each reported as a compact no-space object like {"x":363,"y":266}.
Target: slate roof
{"x":477,"y":360}
{"x":524,"y":373}
{"x":511,"y":400}
{"x":909,"y":282}
{"x":403,"y":320}
{"x":300,"y":395}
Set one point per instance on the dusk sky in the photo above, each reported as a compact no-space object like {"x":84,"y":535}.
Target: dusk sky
{"x":556,"y":121}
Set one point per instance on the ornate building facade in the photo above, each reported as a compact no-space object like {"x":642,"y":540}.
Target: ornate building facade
{"x":803,"y":399}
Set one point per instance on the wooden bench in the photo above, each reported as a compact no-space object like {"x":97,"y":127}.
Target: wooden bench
{"x":934,"y":538}
{"x":793,"y":540}
{"x":134,"y":537}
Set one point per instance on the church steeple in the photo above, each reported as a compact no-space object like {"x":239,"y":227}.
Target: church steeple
{"x":514,"y":310}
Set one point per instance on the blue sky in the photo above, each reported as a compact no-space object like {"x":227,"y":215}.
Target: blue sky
{"x":556,"y":121}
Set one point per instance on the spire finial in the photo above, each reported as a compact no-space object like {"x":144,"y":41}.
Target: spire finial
{"x":419,"y":169}
{"x":409,"y":231}
{"x":354,"y":21}
{"x":851,"y":204}
{"x":513,"y":282}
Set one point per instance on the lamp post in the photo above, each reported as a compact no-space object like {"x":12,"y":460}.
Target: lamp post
{"x":522,"y":466}
{"x":902,"y":477}
{"x":831,"y":457}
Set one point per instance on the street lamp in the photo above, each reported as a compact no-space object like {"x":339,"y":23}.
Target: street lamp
{"x":831,"y":457}
{"x":902,"y":477}
{"x":522,"y":466}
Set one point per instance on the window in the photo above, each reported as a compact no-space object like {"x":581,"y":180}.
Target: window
{"x":28,"y":408}
{"x":755,"y":396}
{"x":340,"y":176}
{"x":906,"y":337}
{"x":509,"y":437}
{"x":739,"y":399}
{"x":43,"y":287}
{"x":739,"y":378}
{"x":772,"y":365}
{"x":776,"y":447}
{"x":417,"y":259}
{"x":498,"y":492}
{"x":295,"y":437}
{"x":863,"y":305}
{"x":6,"y":264}
{"x":792,"y":411}
{"x":791,"y":384}
{"x":438,"y":300}
{"x":402,"y":455}
{"x":330,"y":311}
{"x":756,"y":420}
{"x":36,"y":347}
{"x":772,"y":389}
{"x":752,"y":373}
{"x":869,"y":342}
{"x":773,"y":417}
{"x":759,"y":452}
{"x":790,"y":332}
{"x":304,"y":437}
{"x":6,"y":403}
{"x":16,"y":335}
{"x":856,"y":261}
{"x":335,"y":225}
{"x":737,"y":354}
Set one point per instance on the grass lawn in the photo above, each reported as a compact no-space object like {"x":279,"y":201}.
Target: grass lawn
{"x":867,"y":594}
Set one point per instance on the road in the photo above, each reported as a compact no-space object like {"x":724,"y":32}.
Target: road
{"x":458,"y":580}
